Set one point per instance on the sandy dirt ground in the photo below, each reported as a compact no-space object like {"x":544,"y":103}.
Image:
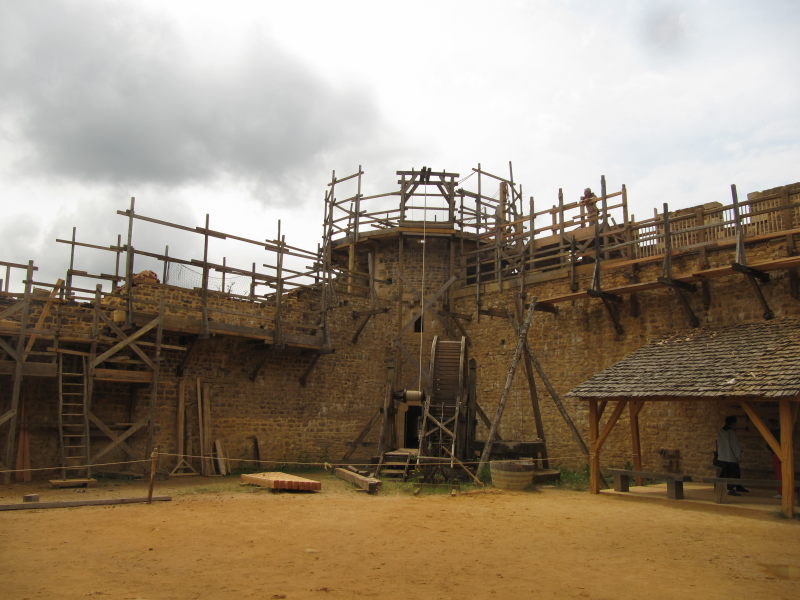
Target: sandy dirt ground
{"x":216,"y":539}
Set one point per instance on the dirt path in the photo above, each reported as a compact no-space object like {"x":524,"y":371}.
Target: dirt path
{"x":223,"y":543}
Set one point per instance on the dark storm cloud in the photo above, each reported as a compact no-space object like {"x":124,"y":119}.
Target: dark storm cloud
{"x":98,"y":93}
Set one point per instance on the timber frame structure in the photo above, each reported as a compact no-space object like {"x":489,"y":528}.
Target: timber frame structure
{"x":110,"y":332}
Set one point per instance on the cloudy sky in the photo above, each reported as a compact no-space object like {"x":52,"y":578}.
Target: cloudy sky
{"x":242,"y":109}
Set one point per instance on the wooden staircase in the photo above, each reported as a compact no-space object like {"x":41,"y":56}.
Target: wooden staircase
{"x":73,"y":422}
{"x":396,"y":464}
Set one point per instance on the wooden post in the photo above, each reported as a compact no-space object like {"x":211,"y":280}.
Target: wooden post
{"x":129,"y":266}
{"x":531,"y":240}
{"x":71,"y":265}
{"x":387,"y":429}
{"x":737,"y":221}
{"x":787,"y":419}
{"x":560,"y":226}
{"x":666,"y":269}
{"x":278,"y":335}
{"x":594,"y":452}
{"x":165,"y":270}
{"x":627,"y":235}
{"x":153,"y":468}
{"x":204,"y":291}
{"x":636,"y":446}
{"x":16,"y":386}
{"x":537,"y":413}
{"x":115,"y":283}
{"x":523,"y":334}
{"x":181,"y":425}
{"x":151,"y":425}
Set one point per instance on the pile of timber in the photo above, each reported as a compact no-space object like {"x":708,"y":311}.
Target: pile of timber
{"x":275,"y":480}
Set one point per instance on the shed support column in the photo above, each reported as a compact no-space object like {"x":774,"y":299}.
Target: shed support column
{"x":787,"y":416}
{"x":636,"y":447}
{"x":594,"y":450}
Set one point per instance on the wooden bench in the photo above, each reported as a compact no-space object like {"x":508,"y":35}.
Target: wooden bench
{"x":721,"y":485}
{"x":622,"y":478}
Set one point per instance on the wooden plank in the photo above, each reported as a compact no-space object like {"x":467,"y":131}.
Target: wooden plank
{"x":123,"y":375}
{"x":71,"y":483}
{"x":29,"y":369}
{"x":369,"y":484}
{"x":275,"y":480}
{"x":74,"y":503}
{"x":220,"y":458}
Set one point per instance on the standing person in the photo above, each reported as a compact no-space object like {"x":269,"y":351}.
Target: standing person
{"x":728,"y":453}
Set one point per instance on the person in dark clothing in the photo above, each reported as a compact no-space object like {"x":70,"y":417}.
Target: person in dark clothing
{"x":728,"y":453}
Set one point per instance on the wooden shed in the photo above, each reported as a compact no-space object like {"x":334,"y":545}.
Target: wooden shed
{"x":748,"y":363}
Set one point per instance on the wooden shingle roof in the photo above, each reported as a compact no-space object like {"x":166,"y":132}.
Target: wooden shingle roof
{"x":753,"y":359}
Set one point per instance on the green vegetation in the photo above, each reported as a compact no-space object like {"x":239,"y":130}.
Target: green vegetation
{"x":574,"y":480}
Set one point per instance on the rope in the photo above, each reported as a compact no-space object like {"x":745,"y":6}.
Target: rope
{"x":422,"y":284}
{"x":75,"y":468}
{"x":325,"y":464}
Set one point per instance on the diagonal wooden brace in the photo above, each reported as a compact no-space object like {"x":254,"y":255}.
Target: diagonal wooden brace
{"x":124,"y":343}
{"x":121,"y":334}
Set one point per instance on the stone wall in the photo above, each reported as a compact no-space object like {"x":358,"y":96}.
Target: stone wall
{"x":316,"y":421}
{"x":580,"y":341}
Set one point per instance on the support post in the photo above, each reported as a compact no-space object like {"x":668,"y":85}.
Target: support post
{"x":16,"y":386}
{"x":636,"y":446}
{"x":523,"y":334}
{"x":787,"y":457}
{"x":594,"y":453}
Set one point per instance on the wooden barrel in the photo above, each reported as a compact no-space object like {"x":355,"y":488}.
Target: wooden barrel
{"x":511,"y":474}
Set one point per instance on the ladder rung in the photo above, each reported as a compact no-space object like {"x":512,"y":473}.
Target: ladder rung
{"x":76,"y":374}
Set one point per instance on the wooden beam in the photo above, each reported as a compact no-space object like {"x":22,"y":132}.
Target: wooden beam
{"x":116,"y":440}
{"x":44,"y":313}
{"x":303,"y":380}
{"x":635,"y":407}
{"x":74,"y":503}
{"x":512,"y":369}
{"x":612,"y":420}
{"x":121,"y":335}
{"x":127,"y":341}
{"x":594,"y":453}
{"x":756,"y":420}
{"x":557,"y":401}
{"x":787,"y":456}
{"x":362,"y":434}
{"x":368,"y":484}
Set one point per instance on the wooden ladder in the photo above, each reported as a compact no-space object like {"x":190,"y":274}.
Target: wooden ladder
{"x":395,"y":464}
{"x":73,"y":421}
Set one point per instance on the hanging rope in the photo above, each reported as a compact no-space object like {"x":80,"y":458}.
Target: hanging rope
{"x":422,"y":283}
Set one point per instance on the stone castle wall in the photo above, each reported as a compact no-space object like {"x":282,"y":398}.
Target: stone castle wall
{"x":316,"y":421}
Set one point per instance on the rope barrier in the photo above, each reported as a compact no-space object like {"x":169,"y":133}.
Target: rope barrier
{"x":77,"y":467}
{"x":430,"y":460}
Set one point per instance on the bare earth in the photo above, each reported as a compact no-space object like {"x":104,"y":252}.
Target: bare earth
{"x":222,"y":542}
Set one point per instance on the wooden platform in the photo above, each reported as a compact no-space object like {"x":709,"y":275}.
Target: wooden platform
{"x":71,"y":483}
{"x":276,"y":480}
